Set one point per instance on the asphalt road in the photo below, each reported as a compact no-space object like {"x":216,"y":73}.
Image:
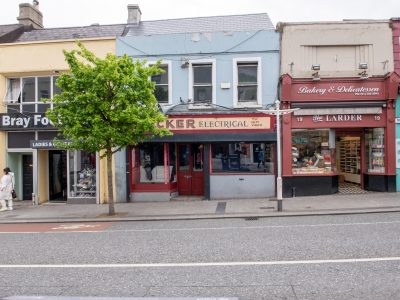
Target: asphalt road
{"x":324,"y":257}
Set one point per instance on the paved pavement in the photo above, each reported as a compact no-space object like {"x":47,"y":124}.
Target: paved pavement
{"x":25,"y":212}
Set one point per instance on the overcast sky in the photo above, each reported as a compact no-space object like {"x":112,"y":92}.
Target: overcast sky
{"x":66,"y":13}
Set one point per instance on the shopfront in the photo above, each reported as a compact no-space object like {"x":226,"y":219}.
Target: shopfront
{"x":214,"y":157}
{"x":343,"y":133}
{"x":43,"y":172}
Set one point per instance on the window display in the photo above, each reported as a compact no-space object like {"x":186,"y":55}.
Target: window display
{"x":375,"y":150}
{"x":82,"y":170}
{"x":243,"y":157}
{"x":311,"y":152}
{"x":151,"y":162}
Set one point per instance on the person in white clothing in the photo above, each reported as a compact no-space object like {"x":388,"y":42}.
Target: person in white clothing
{"x":6,"y":186}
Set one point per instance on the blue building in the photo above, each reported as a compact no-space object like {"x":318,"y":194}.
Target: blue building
{"x":218,"y":72}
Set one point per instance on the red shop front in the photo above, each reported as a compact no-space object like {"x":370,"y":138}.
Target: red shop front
{"x":342,"y":135}
{"x":216,"y":156}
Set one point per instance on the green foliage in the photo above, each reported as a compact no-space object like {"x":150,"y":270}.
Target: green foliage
{"x":105,"y":103}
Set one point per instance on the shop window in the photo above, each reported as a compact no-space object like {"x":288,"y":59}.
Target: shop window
{"x":82,"y":174}
{"x":161,"y":85}
{"x":243,"y":157}
{"x":375,"y":150}
{"x":202,"y":89}
{"x":149,"y":164}
{"x":311,"y":152}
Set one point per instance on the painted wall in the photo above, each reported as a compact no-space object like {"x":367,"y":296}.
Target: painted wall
{"x":241,"y":186}
{"x":223,"y":47}
{"x":338,"y":47}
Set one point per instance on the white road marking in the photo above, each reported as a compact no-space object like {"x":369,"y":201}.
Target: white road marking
{"x":208,"y":228}
{"x":74,"y":226}
{"x":209,"y":264}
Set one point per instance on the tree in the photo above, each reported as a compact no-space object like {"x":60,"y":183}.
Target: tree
{"x":105,"y":105}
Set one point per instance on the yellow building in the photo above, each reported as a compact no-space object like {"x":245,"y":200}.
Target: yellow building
{"x":31,"y":59}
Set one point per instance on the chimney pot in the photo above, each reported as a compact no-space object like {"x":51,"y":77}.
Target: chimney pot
{"x":134,"y":14}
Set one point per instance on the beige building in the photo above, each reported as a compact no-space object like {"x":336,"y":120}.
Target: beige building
{"x":337,"y":47}
{"x":339,"y":76}
{"x":31,"y":60}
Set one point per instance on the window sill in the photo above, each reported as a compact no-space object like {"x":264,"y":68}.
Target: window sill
{"x":248,"y":105}
{"x":201,"y":106}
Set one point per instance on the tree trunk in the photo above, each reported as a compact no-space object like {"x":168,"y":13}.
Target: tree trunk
{"x":111,"y":209}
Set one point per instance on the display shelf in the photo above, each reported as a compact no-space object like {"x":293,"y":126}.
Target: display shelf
{"x":349,"y":164}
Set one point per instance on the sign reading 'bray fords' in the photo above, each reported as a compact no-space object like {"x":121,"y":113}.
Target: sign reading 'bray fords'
{"x":26,"y":121}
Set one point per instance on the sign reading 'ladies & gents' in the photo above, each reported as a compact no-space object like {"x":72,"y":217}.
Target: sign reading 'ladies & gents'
{"x":18,"y":121}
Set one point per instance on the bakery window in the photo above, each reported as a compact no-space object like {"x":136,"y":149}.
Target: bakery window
{"x":375,"y":150}
{"x":312,"y":152}
{"x":243,"y":157}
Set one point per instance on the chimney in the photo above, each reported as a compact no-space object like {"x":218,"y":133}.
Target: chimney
{"x":134,"y":14}
{"x":30,"y":15}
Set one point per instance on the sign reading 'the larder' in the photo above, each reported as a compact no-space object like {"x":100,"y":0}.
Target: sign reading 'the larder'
{"x":217,"y":123}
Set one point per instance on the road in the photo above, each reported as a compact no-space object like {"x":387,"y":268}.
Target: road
{"x":313,"y":257}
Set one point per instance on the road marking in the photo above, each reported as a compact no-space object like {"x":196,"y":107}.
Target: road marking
{"x":31,"y":228}
{"x":210,"y":264}
{"x":102,"y":230}
{"x":74,"y":226}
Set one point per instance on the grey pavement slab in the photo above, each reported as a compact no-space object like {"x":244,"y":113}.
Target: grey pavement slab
{"x":25,"y":212}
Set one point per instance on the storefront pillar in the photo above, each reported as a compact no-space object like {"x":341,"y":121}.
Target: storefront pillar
{"x":35,"y":194}
{"x":207,"y":162}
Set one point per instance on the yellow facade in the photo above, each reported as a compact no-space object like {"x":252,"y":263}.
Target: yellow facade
{"x":45,"y":58}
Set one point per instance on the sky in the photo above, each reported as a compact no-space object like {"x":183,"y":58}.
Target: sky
{"x":67,"y":13}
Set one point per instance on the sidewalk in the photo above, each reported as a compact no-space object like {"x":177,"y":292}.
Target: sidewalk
{"x":25,"y":212}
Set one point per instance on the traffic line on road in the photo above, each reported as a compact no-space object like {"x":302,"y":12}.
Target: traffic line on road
{"x":208,"y":264}
{"x":54,"y":227}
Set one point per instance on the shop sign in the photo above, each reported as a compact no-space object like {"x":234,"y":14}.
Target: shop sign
{"x":217,"y":123}
{"x":18,"y":121}
{"x":44,"y":144}
{"x":340,"y":89}
{"x":339,"y":120}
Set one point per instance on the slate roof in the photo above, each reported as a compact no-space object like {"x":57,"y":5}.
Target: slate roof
{"x":232,"y":23}
{"x":10,"y":32}
{"x":202,"y":24}
{"x":93,"y":31}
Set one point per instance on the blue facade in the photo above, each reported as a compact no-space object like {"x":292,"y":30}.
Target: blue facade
{"x":221,"y":47}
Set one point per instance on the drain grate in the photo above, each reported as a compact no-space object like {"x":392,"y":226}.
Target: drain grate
{"x":251,"y":219}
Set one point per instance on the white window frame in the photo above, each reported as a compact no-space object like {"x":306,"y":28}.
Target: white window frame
{"x":235,"y":81}
{"x":8,"y":101}
{"x":213,"y":77}
{"x":167,"y":63}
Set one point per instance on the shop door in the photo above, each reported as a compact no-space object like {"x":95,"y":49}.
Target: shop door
{"x":27,"y":177}
{"x":58,"y":175}
{"x":190,"y":169}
